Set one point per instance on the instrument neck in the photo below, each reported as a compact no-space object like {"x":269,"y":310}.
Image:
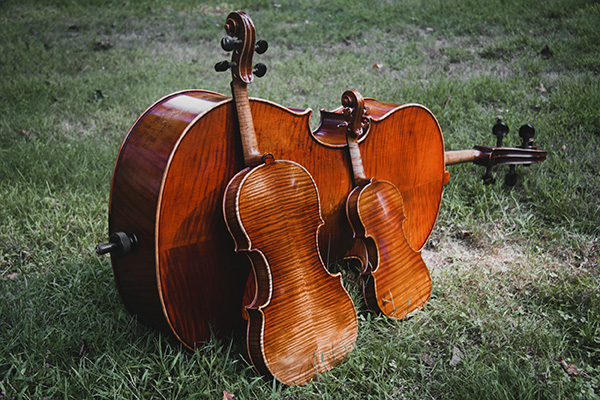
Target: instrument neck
{"x":452,"y":157}
{"x":358,"y":169}
{"x":493,"y":156}
{"x":252,"y":155}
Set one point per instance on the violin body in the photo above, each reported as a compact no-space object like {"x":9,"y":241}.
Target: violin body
{"x":301,"y":321}
{"x":396,"y":281}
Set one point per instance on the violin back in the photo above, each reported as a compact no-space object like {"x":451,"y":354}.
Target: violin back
{"x":396,"y":280}
{"x":301,"y":321}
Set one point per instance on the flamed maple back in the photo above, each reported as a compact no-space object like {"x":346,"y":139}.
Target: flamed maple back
{"x":301,"y":321}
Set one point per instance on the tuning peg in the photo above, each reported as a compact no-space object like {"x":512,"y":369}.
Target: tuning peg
{"x":527,"y":132}
{"x":500,"y":130}
{"x":228,"y":43}
{"x":511,"y":176}
{"x":488,"y":177}
{"x":261,"y":46}
{"x":222,"y":66}
{"x":260,"y":70}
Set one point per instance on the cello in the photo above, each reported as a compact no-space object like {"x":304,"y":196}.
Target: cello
{"x":301,"y":321}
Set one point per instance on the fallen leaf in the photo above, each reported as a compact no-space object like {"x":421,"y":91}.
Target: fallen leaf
{"x":463,"y":235}
{"x":228,"y":396}
{"x":13,"y":277}
{"x":456,"y":357}
{"x":27,"y":134}
{"x":102,"y":45}
{"x":570,"y":369}
{"x":427,"y":359}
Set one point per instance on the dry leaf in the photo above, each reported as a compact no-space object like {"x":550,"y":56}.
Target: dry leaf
{"x":456,"y":357}
{"x":463,"y":235}
{"x":570,"y":369}
{"x":228,"y":396}
{"x":27,"y":134}
{"x":427,"y":359}
{"x":14,"y":276}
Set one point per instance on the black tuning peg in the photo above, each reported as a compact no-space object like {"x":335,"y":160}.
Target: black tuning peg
{"x":511,"y":176}
{"x":527,"y":132}
{"x":260,"y":70}
{"x":500,"y":130}
{"x":488,"y":177}
{"x":228,"y":43}
{"x":222,"y":66}
{"x":261,"y":46}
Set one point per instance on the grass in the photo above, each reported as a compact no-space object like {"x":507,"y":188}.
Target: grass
{"x":515,"y":270}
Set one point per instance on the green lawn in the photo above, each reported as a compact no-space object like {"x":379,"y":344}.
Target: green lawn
{"x":516,"y":271}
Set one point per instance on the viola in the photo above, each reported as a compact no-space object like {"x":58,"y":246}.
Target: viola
{"x":301,"y":321}
{"x":396,"y":281}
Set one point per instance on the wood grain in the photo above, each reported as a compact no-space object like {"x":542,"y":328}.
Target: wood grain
{"x":171,"y":281}
{"x":396,"y":279}
{"x":175,"y":164}
{"x":301,"y":321}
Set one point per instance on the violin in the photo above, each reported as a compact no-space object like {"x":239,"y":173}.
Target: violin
{"x":396,"y":281}
{"x":301,"y":321}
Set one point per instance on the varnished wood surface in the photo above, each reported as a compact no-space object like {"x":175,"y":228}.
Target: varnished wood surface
{"x":396,"y":279}
{"x":184,"y":150}
{"x":493,"y":156}
{"x":302,"y":321}
{"x":406,"y":148}
{"x":170,"y":281}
